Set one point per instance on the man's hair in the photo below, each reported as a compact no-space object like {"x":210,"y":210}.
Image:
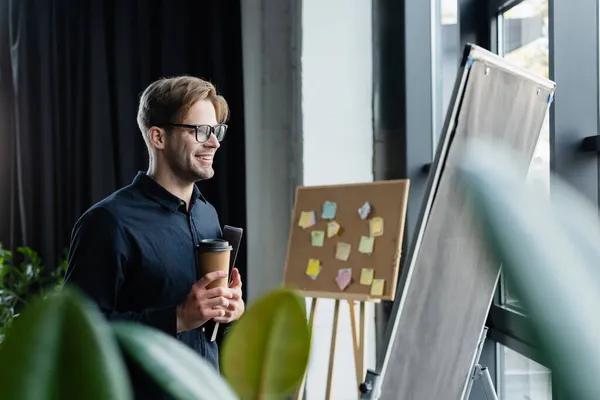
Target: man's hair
{"x":169,"y":100}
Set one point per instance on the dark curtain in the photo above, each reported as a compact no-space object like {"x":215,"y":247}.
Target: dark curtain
{"x":70,"y":78}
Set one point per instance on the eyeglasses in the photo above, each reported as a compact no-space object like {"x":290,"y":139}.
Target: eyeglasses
{"x":203,"y":131}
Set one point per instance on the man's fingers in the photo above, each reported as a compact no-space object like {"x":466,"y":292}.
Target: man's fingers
{"x":236,"y":279}
{"x":210,"y":277}
{"x":215,"y":313}
{"x":216,"y":302}
{"x":224,"y":319}
{"x":219,"y":292}
{"x":236,"y":294}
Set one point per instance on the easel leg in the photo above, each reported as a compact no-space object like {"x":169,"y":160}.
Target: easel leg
{"x":311,"y":320}
{"x":363,"y":340}
{"x":336,"y":315}
{"x":355,"y":342}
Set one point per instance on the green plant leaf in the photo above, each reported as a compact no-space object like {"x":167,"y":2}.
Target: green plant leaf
{"x":174,"y":366}
{"x":266,"y":352}
{"x":549,"y":250}
{"x":61,"y":348}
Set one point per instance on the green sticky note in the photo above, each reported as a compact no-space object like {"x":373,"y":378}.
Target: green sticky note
{"x":317,"y":238}
{"x":366,"y":245}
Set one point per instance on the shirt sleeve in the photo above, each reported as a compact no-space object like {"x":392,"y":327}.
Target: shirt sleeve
{"x":98,"y":258}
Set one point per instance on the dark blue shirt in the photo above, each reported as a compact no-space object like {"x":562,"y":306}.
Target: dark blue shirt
{"x":134,"y":254}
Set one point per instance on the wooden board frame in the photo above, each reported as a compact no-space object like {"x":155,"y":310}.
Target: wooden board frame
{"x":388,"y":200}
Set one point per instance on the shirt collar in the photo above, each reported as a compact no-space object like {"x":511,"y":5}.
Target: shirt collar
{"x":161,"y":195}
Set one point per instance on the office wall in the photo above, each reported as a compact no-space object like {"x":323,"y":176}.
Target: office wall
{"x":308,"y":106}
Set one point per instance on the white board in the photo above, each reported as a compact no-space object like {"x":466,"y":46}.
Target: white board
{"x":448,"y":281}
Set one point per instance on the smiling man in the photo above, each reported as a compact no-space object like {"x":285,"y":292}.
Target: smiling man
{"x":134,"y":253}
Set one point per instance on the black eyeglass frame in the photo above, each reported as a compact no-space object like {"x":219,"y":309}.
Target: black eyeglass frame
{"x":206,"y":134}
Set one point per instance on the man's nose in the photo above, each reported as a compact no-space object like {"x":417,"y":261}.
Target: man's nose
{"x":212,"y":142}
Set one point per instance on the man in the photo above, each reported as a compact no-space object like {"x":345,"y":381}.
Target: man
{"x":134,"y":253}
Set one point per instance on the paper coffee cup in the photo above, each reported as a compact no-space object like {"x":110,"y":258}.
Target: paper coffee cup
{"x":213,"y":255}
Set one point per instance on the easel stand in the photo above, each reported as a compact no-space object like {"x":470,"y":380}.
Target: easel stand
{"x":359,"y":331}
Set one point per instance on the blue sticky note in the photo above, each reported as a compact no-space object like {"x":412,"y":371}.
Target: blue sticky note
{"x":329,"y":209}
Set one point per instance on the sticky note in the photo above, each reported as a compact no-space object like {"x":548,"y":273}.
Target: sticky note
{"x":332,"y":229}
{"x":377,"y":287}
{"x":364,"y":211}
{"x":307,"y":219}
{"x":366,"y":276}
{"x":344,"y":278}
{"x":342,"y":251}
{"x":314,"y":268}
{"x":317,"y":238}
{"x":376,"y":226}
{"x":329,"y":209}
{"x":366,"y":245}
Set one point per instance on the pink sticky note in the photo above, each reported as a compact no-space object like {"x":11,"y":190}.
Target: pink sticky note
{"x":344,"y":278}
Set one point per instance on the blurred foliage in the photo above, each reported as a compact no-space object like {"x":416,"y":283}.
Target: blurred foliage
{"x":265,"y":354}
{"x":62,"y":347}
{"x":549,"y":249}
{"x":22,"y":276}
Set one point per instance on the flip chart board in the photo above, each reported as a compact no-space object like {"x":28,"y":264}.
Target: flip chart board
{"x":449,"y":277}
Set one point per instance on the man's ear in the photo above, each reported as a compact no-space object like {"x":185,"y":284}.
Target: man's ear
{"x":157,"y":137}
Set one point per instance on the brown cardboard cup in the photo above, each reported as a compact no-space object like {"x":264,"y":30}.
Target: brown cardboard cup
{"x":213,"y":255}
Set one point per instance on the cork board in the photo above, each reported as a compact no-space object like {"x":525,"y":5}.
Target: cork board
{"x":339,"y":248}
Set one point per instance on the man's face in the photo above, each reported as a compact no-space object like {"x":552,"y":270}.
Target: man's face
{"x":190,"y":160}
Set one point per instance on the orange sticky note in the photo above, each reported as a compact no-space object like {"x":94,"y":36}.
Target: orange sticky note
{"x":332,"y":229}
{"x":376,"y":226}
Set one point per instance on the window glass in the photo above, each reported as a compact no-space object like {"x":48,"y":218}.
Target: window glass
{"x":447,"y":59}
{"x":523,"y":40}
{"x":522,"y":378}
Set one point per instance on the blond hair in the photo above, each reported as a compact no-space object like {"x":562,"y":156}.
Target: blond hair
{"x":169,"y":100}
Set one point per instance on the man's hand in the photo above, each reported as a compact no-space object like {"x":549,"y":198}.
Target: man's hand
{"x":235,"y":308}
{"x":202,"y":304}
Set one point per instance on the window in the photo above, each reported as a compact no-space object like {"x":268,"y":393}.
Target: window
{"x":521,"y":378}
{"x":528,"y":35}
{"x":523,"y":40}
{"x":565,"y":49}
{"x":446,"y":61}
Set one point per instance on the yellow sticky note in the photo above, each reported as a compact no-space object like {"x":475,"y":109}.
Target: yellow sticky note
{"x":317,"y":238}
{"x":342,"y":252}
{"x":366,"y":276}
{"x":376,"y":226}
{"x":377,"y":287}
{"x":314,"y":268}
{"x":307,"y":219}
{"x":332,"y":229}
{"x":366,"y":245}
